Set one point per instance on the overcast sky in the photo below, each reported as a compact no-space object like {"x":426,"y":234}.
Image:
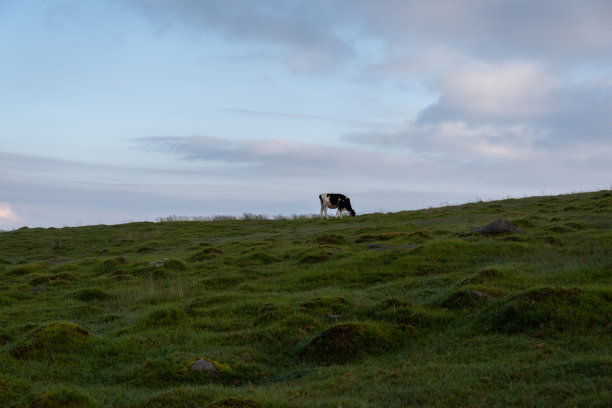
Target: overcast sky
{"x":127,"y":110}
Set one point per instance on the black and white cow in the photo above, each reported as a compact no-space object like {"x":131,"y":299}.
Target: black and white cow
{"x":339,"y":201}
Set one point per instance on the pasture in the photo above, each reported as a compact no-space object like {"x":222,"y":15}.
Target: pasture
{"x":381,"y":310}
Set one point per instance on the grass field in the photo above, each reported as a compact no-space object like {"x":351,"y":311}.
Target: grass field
{"x":382,"y":310}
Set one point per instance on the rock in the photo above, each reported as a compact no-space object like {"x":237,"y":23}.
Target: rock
{"x":203,"y":365}
{"x":500,"y":226}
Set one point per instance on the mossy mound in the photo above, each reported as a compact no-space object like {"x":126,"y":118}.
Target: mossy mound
{"x":420,"y":235}
{"x":28,"y":268}
{"x":12,"y":390}
{"x":171,"y":371}
{"x":165,"y":317}
{"x":464,"y":299}
{"x":550,"y":309}
{"x":90,"y":294}
{"x":4,"y":337}
{"x":169,"y":265}
{"x":346,"y":342}
{"x":114,"y":264}
{"x":378,"y":237}
{"x":315,"y":255}
{"x":259,"y":258}
{"x":235,"y":403}
{"x":483,"y":276}
{"x":160,"y":269}
{"x":40,"y":280}
{"x":61,"y":398}
{"x":221,"y":282}
{"x":398,"y":313}
{"x":64,"y":277}
{"x":330,"y":239}
{"x":269,"y":312}
{"x":327,"y":305}
{"x":57,"y":279}
{"x":499,"y":227}
{"x":547,"y":294}
{"x":178,"y":398}
{"x":56,"y":337}
{"x":212,"y":365}
{"x":205,"y":254}
{"x":159,"y":373}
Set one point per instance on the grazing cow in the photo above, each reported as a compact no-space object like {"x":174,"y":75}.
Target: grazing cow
{"x":339,"y":201}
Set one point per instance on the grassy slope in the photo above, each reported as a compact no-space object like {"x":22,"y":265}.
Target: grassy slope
{"x":114,"y":315}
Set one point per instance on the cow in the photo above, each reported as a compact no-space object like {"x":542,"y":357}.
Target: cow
{"x":339,"y":201}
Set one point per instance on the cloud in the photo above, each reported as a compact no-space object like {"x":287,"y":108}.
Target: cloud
{"x":457,"y":139}
{"x":512,"y":109}
{"x":279,"y":157}
{"x":8,"y":218}
{"x":308,"y":34}
{"x":498,"y":90}
{"x":548,"y":29}
{"x":318,"y":35}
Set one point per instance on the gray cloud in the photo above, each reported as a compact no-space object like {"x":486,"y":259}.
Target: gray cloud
{"x":506,"y":110}
{"x":281,"y":158}
{"x":490,"y":30}
{"x":310,"y":34}
{"x":453,"y":157}
{"x":319,"y":34}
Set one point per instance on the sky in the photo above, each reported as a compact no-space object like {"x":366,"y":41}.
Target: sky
{"x":116,"y":111}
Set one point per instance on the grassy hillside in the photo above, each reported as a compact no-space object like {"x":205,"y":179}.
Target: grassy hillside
{"x":383,"y":310}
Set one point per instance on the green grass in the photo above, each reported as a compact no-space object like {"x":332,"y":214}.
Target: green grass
{"x":382,"y":310}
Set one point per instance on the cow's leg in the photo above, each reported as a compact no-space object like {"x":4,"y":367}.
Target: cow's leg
{"x":339,"y":211}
